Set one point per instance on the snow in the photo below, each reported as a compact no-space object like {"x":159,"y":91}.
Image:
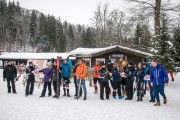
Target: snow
{"x":19,"y":107}
{"x":170,"y":43}
{"x":89,"y":51}
{"x":37,"y":56}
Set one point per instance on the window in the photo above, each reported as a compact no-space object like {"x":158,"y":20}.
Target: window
{"x":88,"y":62}
{"x":100,"y":60}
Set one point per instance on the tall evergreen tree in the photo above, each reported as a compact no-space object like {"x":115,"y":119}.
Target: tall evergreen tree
{"x":60,"y":37}
{"x":33,"y":28}
{"x":88,"y":39}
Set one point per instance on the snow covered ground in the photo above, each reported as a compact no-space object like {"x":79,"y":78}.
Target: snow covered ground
{"x":19,"y":107}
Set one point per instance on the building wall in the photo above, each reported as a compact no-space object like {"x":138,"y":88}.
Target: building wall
{"x":130,"y":57}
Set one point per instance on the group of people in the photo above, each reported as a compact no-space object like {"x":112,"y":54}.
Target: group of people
{"x":119,"y":79}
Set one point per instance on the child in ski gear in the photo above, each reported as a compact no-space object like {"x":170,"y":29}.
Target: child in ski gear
{"x":81,"y":74}
{"x":151,"y":87}
{"x":104,"y":78}
{"x":66,"y":73}
{"x":10,"y":74}
{"x":116,"y":82}
{"x":158,"y":78}
{"x":122,"y":69}
{"x":31,"y":78}
{"x":130,"y":80}
{"x":96,"y":76}
{"x":47,"y":79}
{"x":139,"y":74}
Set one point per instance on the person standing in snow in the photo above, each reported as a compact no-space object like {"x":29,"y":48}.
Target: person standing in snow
{"x":139,"y":74}
{"x":31,"y":79}
{"x":122,"y":69}
{"x":116,"y":82}
{"x":66,"y":73}
{"x":47,"y":79}
{"x":81,"y":74}
{"x":158,"y":78}
{"x":10,"y":74}
{"x":130,"y":80}
{"x":96,"y":76}
{"x":104,"y":78}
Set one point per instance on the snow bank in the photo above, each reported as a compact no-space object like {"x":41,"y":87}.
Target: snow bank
{"x":19,"y":107}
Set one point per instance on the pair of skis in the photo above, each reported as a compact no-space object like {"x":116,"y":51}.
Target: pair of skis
{"x":79,"y":89}
{"x":58,"y":62}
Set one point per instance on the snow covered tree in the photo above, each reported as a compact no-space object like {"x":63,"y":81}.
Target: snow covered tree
{"x":176,"y":38}
{"x":138,"y":34}
{"x":164,"y":46}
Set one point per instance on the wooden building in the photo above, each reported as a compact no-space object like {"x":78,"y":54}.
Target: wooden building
{"x":113,"y":53}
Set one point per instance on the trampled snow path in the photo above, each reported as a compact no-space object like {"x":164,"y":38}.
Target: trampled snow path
{"x":19,"y":107}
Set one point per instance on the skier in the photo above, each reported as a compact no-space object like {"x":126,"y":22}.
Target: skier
{"x":96,"y":76}
{"x":158,"y":78}
{"x":66,"y":72}
{"x":130,"y":80}
{"x":81,"y":74}
{"x":31,"y":78}
{"x":139,"y":74}
{"x":116,"y":82}
{"x":10,"y":74}
{"x":151,"y":87}
{"x":122,"y":69}
{"x":104,"y":78}
{"x":47,"y":79}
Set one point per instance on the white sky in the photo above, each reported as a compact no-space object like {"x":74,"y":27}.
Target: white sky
{"x":74,"y":11}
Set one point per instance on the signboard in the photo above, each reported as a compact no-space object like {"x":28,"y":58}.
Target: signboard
{"x":117,"y":55}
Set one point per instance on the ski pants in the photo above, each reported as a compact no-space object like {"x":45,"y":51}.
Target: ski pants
{"x":9,"y":86}
{"x":29,"y":90}
{"x":129,"y":89}
{"x":46,"y":84}
{"x":116,"y":88}
{"x":159,"y":89}
{"x":104,"y":85}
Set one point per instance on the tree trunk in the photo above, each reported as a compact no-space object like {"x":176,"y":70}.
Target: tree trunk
{"x":157,"y":11}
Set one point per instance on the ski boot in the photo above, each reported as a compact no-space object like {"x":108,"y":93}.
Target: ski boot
{"x":121,"y":97}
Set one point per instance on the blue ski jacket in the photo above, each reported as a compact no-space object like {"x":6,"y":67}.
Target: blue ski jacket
{"x":158,"y":75}
{"x":66,"y":70}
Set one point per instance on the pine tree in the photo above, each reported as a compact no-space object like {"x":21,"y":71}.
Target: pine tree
{"x":164,"y":47}
{"x":176,"y":38}
{"x":138,"y":34}
{"x":33,"y":28}
{"x":60,"y":37}
{"x":88,"y":39}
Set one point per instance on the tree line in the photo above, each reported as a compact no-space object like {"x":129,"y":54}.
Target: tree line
{"x":152,"y":26}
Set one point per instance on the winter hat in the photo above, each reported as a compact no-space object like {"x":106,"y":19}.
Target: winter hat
{"x":130,"y":63}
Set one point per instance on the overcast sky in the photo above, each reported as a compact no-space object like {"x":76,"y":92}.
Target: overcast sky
{"x":74,"y":11}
